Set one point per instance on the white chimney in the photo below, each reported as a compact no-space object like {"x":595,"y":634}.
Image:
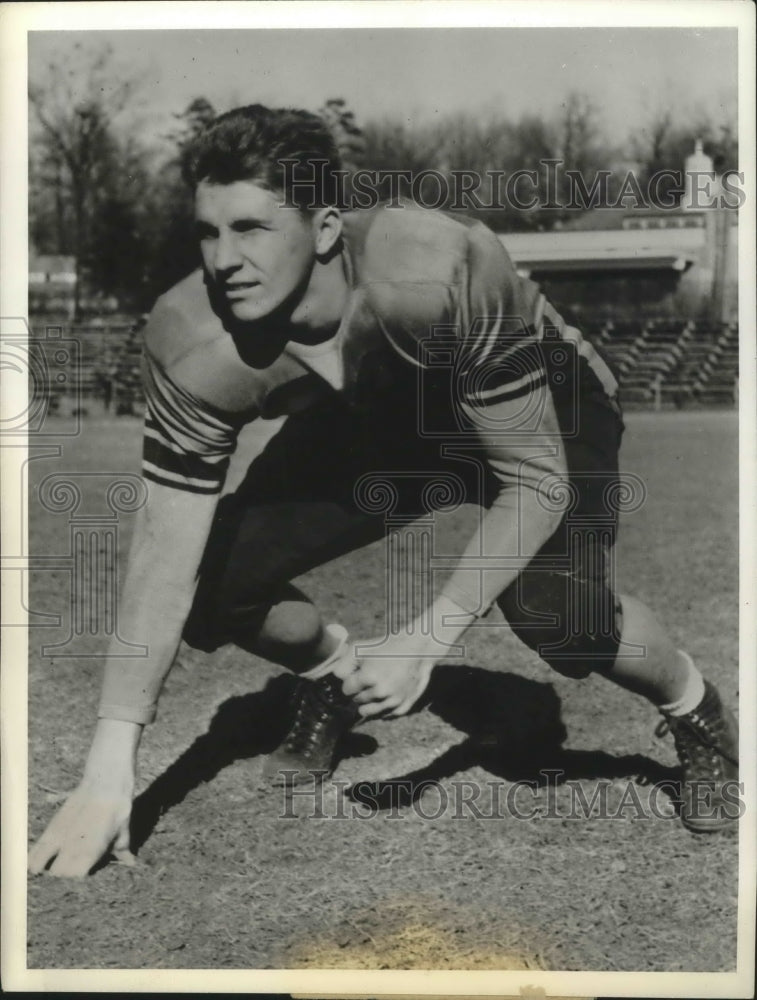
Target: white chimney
{"x":700,"y":189}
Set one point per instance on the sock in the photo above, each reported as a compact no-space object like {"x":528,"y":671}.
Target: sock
{"x":692,"y":693}
{"x":339,"y":634}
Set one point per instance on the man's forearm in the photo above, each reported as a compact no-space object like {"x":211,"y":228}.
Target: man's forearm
{"x":509,"y":535}
{"x":112,"y":759}
{"x":131,"y":685}
{"x":156,"y":599}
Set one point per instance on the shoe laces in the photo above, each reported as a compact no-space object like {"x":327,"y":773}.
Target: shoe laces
{"x":695,"y":738}
{"x":312,"y":715}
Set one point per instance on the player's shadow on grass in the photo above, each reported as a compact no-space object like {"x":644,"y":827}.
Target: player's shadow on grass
{"x":514,"y":726}
{"x":244,"y":726}
{"x":514,"y":731}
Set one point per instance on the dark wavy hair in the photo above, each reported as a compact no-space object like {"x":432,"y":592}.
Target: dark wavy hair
{"x":248,"y":144}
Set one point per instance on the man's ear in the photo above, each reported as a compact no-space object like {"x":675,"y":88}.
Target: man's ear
{"x":327,"y":229}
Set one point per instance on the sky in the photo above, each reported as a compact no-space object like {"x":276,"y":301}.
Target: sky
{"x":630,"y":73}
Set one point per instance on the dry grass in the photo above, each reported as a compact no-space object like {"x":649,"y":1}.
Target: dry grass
{"x":225,"y":882}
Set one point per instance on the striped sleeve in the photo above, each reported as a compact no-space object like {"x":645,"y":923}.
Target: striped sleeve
{"x":504,"y":381}
{"x":186,"y":445}
{"x":501,"y":357}
{"x":509,"y":374}
{"x":514,"y":342}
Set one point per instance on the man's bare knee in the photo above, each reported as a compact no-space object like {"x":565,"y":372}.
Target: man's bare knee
{"x":290,"y":633}
{"x":292,"y":624}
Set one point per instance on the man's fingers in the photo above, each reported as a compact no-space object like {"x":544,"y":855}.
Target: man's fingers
{"x":404,"y":707}
{"x":124,"y":857}
{"x":374,"y":708}
{"x":121,"y":850}
{"x":40,"y":854}
{"x":81,"y":850}
{"x":72,"y":864}
{"x":376,"y":692}
{"x":78,"y":858}
{"x":344,"y":667}
{"x":355,"y":683}
{"x":76,"y":840}
{"x":48,"y":845}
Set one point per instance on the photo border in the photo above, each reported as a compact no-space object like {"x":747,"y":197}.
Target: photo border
{"x":16,"y":20}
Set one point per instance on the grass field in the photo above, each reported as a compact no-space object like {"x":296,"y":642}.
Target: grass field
{"x":226,"y":881}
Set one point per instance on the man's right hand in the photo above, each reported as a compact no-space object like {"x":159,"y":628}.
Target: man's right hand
{"x":92,"y":823}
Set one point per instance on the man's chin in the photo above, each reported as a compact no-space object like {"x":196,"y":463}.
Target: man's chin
{"x":247,"y":312}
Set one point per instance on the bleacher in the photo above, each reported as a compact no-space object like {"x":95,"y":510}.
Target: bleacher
{"x":680,"y":362}
{"x":102,"y":373}
{"x":689,"y":362}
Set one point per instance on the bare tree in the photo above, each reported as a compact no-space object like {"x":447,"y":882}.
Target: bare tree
{"x":345,"y":130}
{"x":77,"y":152}
{"x":577,"y":131}
{"x":664,"y":142}
{"x":172,"y":246}
{"x":191,"y":122}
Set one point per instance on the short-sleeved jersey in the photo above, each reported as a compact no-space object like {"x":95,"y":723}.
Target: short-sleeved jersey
{"x":429,"y":295}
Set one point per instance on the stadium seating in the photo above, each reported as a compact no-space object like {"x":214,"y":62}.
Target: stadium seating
{"x":675,"y":361}
{"x":104,"y":371}
{"x":690,"y":362}
{"x":707,"y":371}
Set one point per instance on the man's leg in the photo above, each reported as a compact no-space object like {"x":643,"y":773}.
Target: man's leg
{"x":290,"y":632}
{"x":704,"y":730}
{"x":293,"y":512}
{"x":571,"y":617}
{"x":628,"y":646}
{"x":663,"y":674}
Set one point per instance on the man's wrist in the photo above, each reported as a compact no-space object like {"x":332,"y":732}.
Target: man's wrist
{"x":112,"y":757}
{"x":447,"y":622}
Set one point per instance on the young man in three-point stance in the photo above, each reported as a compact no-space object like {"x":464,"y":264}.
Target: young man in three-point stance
{"x":332,"y":319}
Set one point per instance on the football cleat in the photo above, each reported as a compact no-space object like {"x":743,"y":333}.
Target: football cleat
{"x":322,"y":715}
{"x":707,"y":744}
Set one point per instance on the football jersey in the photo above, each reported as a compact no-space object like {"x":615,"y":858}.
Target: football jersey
{"x":435,"y":312}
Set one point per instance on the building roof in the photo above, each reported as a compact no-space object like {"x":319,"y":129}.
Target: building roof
{"x":52,"y":263}
{"x":595,"y":219}
{"x":52,"y":269}
{"x":605,"y":249}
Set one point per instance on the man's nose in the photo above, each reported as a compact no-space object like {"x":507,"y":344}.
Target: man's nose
{"x":227,"y":256}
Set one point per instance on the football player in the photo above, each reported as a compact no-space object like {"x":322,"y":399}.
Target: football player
{"x":401,"y":344}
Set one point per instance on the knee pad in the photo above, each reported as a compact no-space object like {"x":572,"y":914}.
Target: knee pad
{"x":573,"y":624}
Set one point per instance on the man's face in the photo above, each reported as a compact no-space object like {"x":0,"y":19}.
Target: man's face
{"x":258,"y":253}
